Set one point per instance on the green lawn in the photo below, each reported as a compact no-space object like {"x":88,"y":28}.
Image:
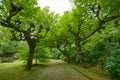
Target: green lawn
{"x":13,"y":71}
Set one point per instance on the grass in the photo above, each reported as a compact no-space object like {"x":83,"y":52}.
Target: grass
{"x":92,"y":73}
{"x":12,"y":71}
{"x":15,"y":70}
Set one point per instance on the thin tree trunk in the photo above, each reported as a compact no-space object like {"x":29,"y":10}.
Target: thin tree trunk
{"x":30,"y":58}
{"x":36,"y":59}
{"x":68,"y":58}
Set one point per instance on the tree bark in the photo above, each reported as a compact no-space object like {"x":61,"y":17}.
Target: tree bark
{"x":80,"y":53}
{"x":30,"y":58}
{"x":68,"y":58}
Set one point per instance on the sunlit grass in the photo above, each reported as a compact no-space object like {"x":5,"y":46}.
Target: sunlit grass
{"x":13,"y":71}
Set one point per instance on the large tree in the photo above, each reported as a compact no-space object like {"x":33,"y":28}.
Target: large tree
{"x":59,"y":39}
{"x":87,"y":18}
{"x":61,"y":43}
{"x":26,"y":22}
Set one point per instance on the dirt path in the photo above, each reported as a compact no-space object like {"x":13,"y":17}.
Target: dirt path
{"x":57,"y":70}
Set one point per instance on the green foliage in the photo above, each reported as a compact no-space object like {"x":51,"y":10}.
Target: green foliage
{"x":22,"y":53}
{"x":27,"y":22}
{"x":91,"y":28}
{"x":113,"y":60}
{"x":94,"y":49}
{"x":104,"y":48}
{"x":113,"y":63}
{"x":42,"y":53}
{"x":4,"y":36}
{"x":30,"y":14}
{"x":55,"y":53}
{"x":73,"y":56}
{"x":10,"y":49}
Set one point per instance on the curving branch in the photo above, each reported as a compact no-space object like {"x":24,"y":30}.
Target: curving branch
{"x":13,"y":11}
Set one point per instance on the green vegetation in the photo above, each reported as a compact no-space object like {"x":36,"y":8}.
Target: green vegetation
{"x":12,"y":71}
{"x":15,"y":70}
{"x":87,"y":35}
{"x":93,"y":73}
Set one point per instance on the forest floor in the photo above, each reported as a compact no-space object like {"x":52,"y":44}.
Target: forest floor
{"x":57,"y":70}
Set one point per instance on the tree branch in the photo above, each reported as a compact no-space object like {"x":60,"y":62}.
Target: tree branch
{"x":79,"y":27}
{"x":111,"y":18}
{"x":70,"y":29}
{"x":92,"y":33}
{"x":14,"y":37}
{"x":101,"y":22}
{"x":13,"y":11}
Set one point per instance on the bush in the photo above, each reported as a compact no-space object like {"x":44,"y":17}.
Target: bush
{"x":113,"y":64}
{"x":7,"y":59}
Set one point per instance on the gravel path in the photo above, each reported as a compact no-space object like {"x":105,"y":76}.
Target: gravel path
{"x":57,"y":70}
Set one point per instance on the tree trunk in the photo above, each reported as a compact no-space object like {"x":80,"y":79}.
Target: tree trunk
{"x":68,"y":58}
{"x":80,"y":53}
{"x":30,"y":58}
{"x":36,"y":59}
{"x":64,"y":52}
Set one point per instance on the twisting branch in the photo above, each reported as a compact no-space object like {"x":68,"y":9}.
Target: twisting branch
{"x":47,"y":29}
{"x":107,"y":19}
{"x":70,"y":29}
{"x":92,"y":33}
{"x":14,"y":36}
{"x":13,"y":11}
{"x":79,"y":27}
{"x":100,"y":22}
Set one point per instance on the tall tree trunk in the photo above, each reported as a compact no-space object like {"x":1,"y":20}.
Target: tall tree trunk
{"x":80,"y":53}
{"x":30,"y":58}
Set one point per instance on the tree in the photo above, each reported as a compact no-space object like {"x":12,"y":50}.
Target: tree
{"x":87,"y":18}
{"x":42,"y":53}
{"x":59,"y":41}
{"x":27,"y":22}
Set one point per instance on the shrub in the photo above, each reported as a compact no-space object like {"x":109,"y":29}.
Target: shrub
{"x":113,"y":63}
